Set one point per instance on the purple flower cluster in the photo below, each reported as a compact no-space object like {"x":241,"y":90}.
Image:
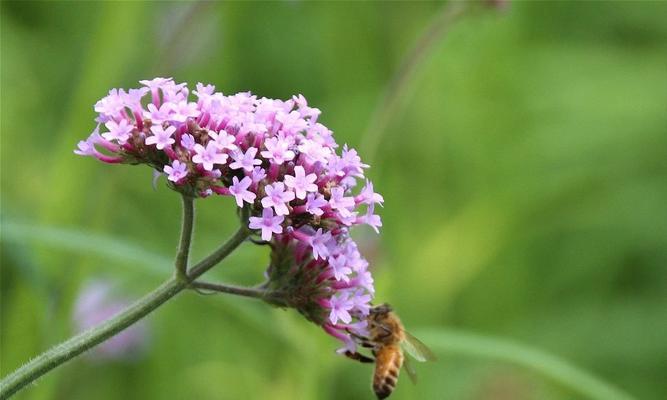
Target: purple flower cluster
{"x":274,"y":159}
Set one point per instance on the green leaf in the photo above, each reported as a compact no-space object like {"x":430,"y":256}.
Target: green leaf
{"x":88,"y":242}
{"x":550,"y":366}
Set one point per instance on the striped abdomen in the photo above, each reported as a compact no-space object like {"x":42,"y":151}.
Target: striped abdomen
{"x":388,"y":361}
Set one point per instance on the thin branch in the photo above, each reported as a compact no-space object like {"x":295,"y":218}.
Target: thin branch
{"x":257,"y":293}
{"x":186,"y":238}
{"x":78,"y":344}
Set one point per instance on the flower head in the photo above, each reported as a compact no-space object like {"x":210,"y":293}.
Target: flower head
{"x":254,"y":149}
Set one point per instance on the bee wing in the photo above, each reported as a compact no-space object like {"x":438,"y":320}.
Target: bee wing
{"x":410,"y":369}
{"x":417,"y":349}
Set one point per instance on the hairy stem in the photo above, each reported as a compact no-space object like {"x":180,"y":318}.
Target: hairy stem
{"x":77,"y":345}
{"x":186,"y":237}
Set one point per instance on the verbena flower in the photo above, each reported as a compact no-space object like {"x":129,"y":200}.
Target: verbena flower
{"x":271,"y":156}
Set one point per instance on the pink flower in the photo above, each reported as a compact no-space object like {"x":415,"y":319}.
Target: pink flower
{"x":291,"y":122}
{"x":321,"y":242}
{"x":276,"y":197}
{"x":267,"y":223}
{"x":314,"y":203}
{"x":371,"y":219}
{"x":158,"y":115}
{"x":241,"y":192}
{"x":183,"y":110}
{"x":111,"y":105}
{"x":339,"y":202}
{"x":314,"y":151}
{"x":188,"y":141}
{"x":176,"y":171}
{"x":207,"y":156}
{"x":368,"y":196}
{"x":300,"y":182}
{"x":340,"y":269}
{"x":161,"y":137}
{"x":340,"y":305}
{"x":277,"y":150}
{"x":246,"y":160}
{"x":119,"y":131}
{"x":223,"y":140}
{"x":257,"y":174}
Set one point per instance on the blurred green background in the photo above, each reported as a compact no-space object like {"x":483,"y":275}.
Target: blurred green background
{"x":525,"y":179}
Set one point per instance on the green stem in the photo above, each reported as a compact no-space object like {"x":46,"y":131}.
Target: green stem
{"x":186,"y":237}
{"x":71,"y":348}
{"x":257,"y":293}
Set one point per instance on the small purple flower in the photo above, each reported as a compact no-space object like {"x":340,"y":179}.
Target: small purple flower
{"x":368,"y":196}
{"x":339,"y":267}
{"x":161,"y":137}
{"x":365,"y":279}
{"x":340,"y":305}
{"x":86,"y":148}
{"x":183,"y":110}
{"x":362,"y":301}
{"x":246,"y":160}
{"x":188,"y":141}
{"x":240,"y":190}
{"x":371,"y":219}
{"x":321,"y":242}
{"x":223,"y":140}
{"x":267,"y":223}
{"x":156,"y":83}
{"x":111,"y":105}
{"x":176,"y":171}
{"x":276,"y":197}
{"x":314,"y":203}
{"x":258,"y":174}
{"x":314,"y":151}
{"x":291,"y":122}
{"x":339,"y":202}
{"x":304,"y":110}
{"x":277,"y":150}
{"x":300,"y":182}
{"x":207,"y":156}
{"x":119,"y":131}
{"x":158,"y":115}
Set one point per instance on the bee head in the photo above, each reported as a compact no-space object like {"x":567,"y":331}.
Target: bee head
{"x":383,"y":308}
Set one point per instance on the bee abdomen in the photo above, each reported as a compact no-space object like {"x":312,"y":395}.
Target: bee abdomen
{"x":386,"y":372}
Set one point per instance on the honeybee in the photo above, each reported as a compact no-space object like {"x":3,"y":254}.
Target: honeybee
{"x":387,"y":339}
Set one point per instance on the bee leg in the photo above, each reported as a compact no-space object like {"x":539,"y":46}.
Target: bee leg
{"x":363,"y":341}
{"x":358,"y":357}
